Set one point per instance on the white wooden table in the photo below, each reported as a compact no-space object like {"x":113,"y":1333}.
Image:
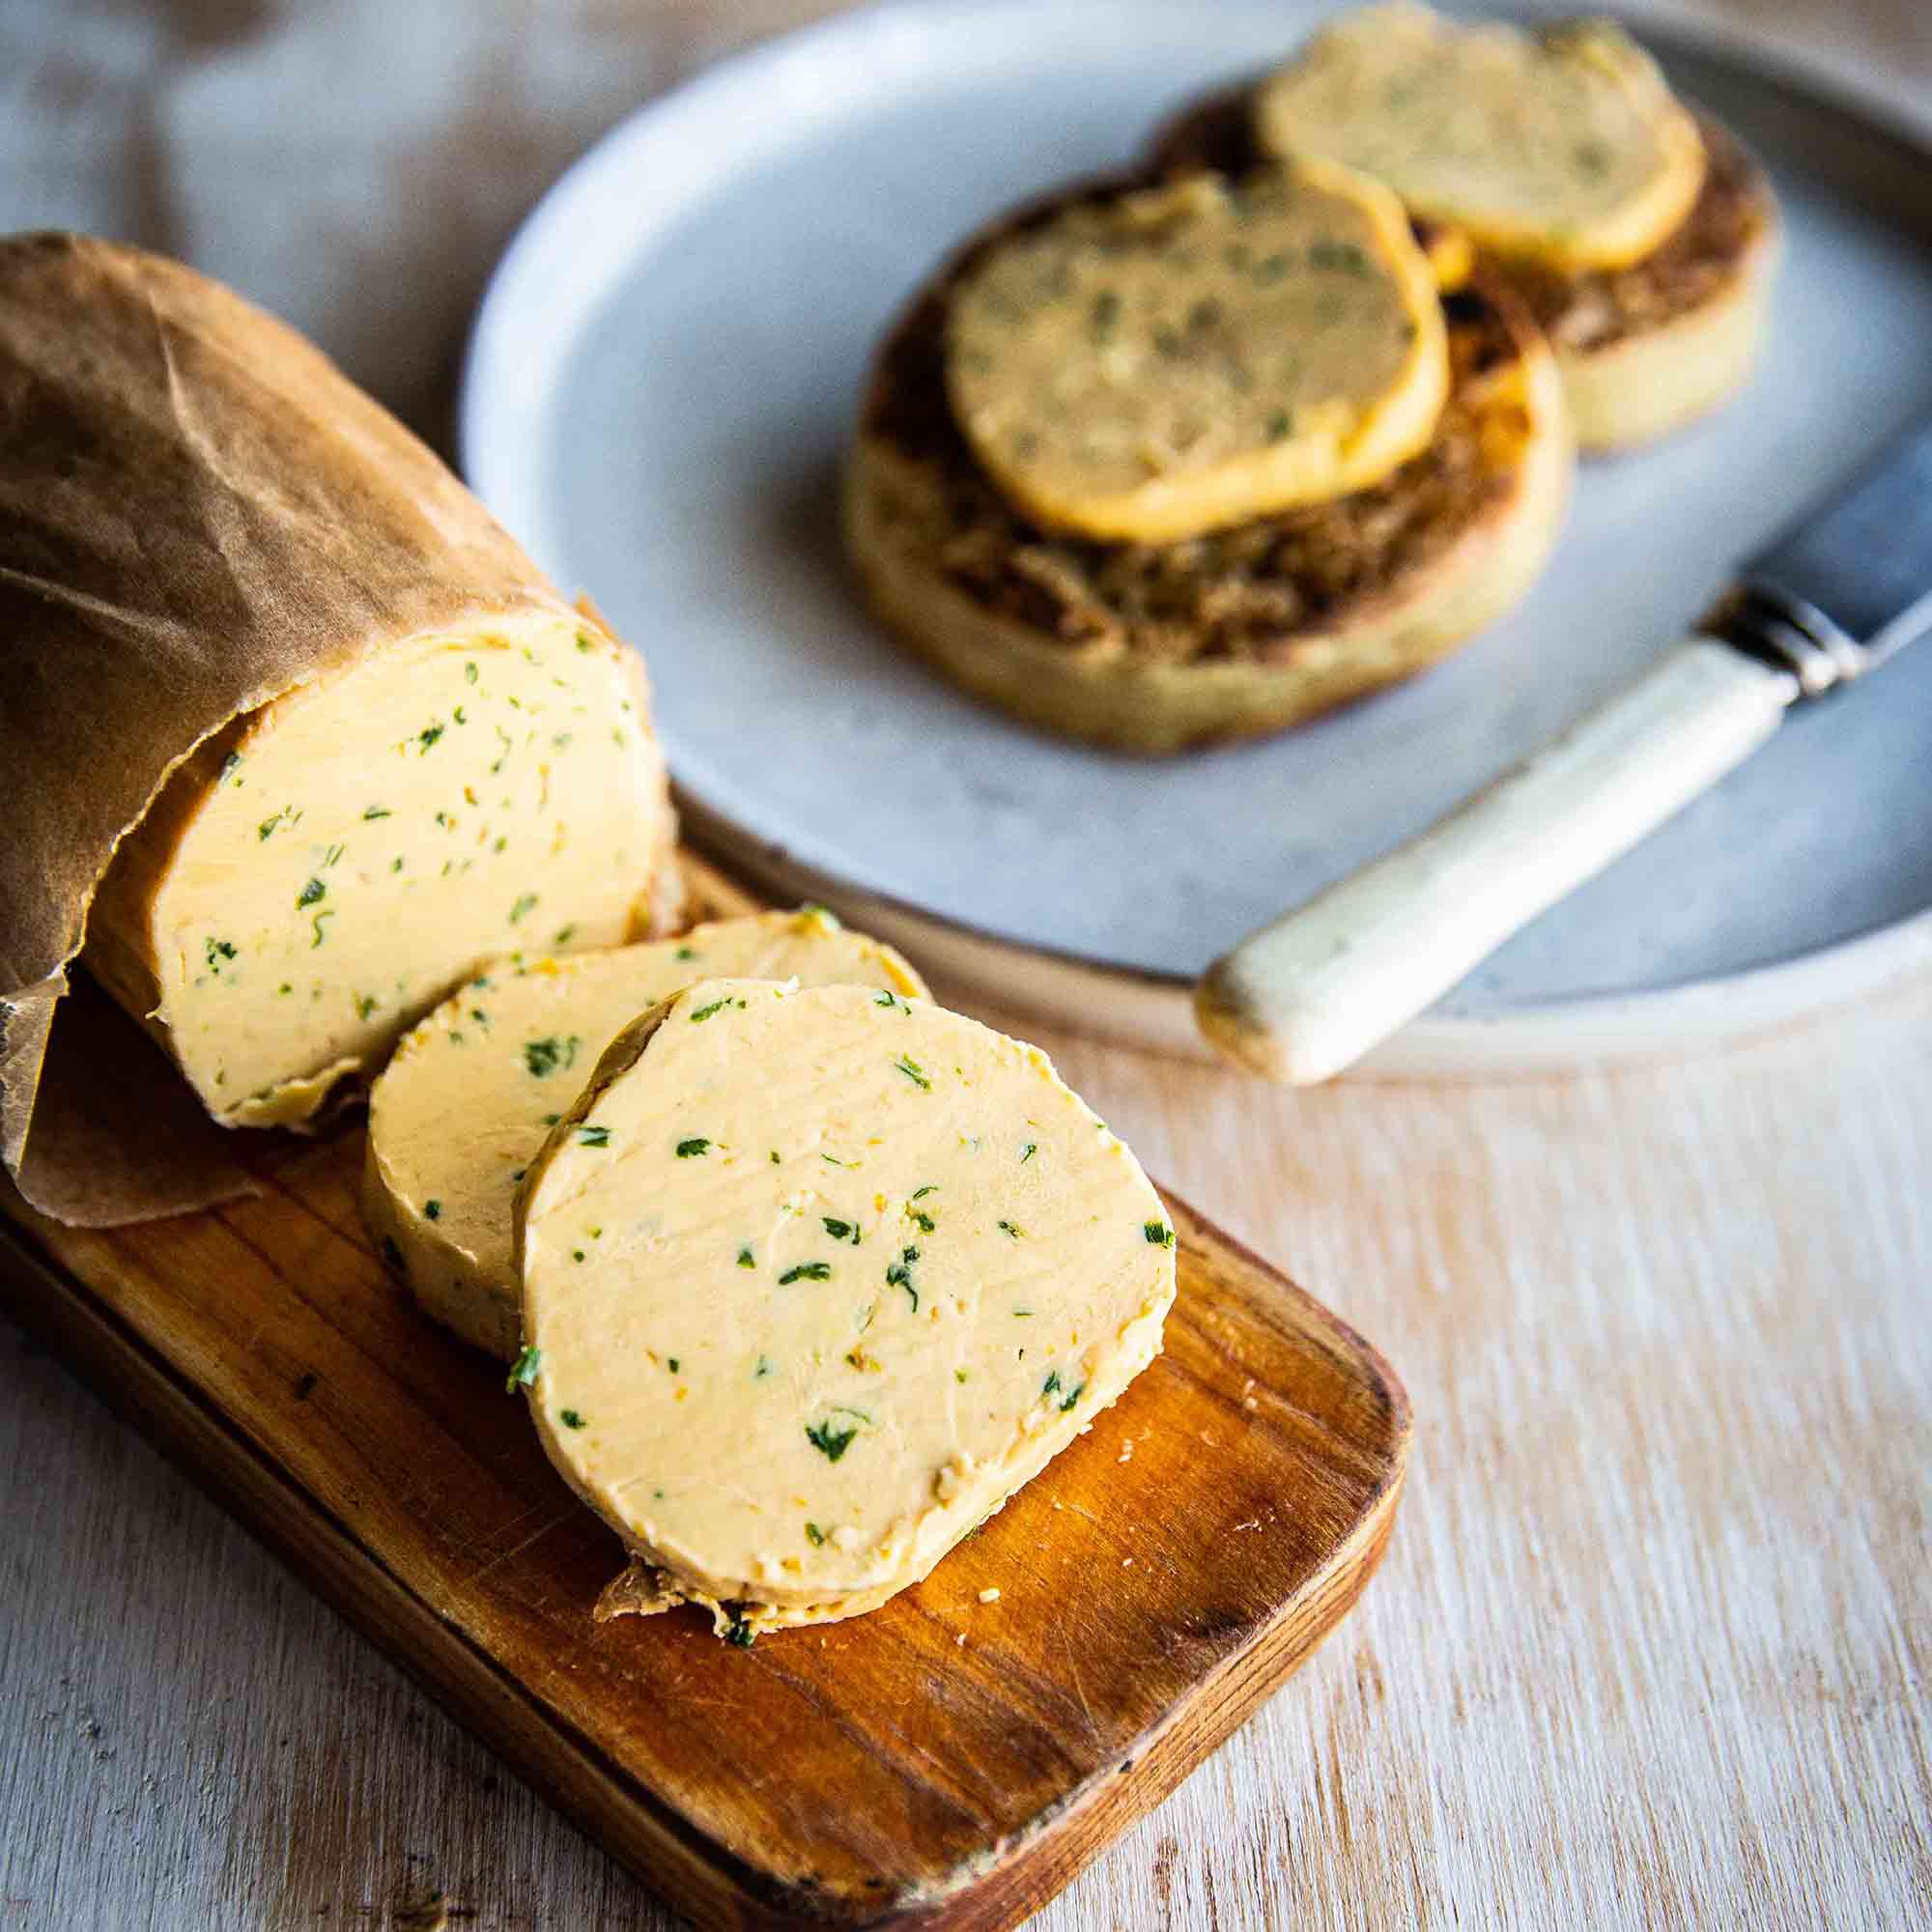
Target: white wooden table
{"x":1652,"y":1646}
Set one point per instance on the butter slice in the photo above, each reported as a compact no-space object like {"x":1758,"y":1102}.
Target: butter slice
{"x":813,"y":1279}
{"x":1565,"y":147}
{"x":318,"y":876}
{"x":466,"y":1103}
{"x":1146,"y":366}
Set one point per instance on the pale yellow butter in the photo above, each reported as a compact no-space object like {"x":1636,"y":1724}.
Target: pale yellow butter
{"x":321,"y":874}
{"x":1151,"y":365}
{"x":473,"y":1090}
{"x":1566,"y":147}
{"x":814,"y":1279}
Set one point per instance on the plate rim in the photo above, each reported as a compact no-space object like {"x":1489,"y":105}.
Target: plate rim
{"x":1517,"y":1035}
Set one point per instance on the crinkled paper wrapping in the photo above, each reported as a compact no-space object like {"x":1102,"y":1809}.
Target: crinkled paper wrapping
{"x":198,"y":512}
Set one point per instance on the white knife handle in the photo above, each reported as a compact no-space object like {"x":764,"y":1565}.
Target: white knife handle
{"x":1300,"y":999}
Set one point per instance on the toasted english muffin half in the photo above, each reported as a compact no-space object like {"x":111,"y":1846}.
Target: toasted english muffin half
{"x":1159,"y":647}
{"x":1642,"y":349}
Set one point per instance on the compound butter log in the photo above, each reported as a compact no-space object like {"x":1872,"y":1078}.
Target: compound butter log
{"x":296,"y":735}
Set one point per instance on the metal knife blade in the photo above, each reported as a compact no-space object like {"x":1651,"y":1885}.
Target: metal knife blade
{"x":1850,"y":582}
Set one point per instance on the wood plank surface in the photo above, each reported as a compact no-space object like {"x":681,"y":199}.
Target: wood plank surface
{"x":1653,"y":1645}
{"x":944,"y":1759}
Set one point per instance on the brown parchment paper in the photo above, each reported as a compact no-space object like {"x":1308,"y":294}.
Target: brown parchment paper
{"x":198,"y":512}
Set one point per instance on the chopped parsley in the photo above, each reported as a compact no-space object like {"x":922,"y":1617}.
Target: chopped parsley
{"x":1158,"y":1234}
{"x":690,"y":1150}
{"x":230,"y":764}
{"x":469,"y":673}
{"x":433,"y":1209}
{"x":310,"y":894}
{"x":899,"y":1275}
{"x":543,"y":1057}
{"x":1073,"y":1395}
{"x":365,"y":1004}
{"x":840,"y":1231}
{"x":1027,"y":1152}
{"x":220,"y":950}
{"x":1051,"y":1385}
{"x":746,"y":1259}
{"x":374,"y":812}
{"x":428,"y":736}
{"x":806,"y":1271}
{"x":570,"y":1418}
{"x":830,"y":1442}
{"x":591,"y":1136}
{"x":930,"y":1187}
{"x":671,"y":1363}
{"x":1007,"y":1229}
{"x":1279,"y":425}
{"x":565,"y":933}
{"x":705,"y":1012}
{"x":814,"y":1536}
{"x":524,"y":1371}
{"x":922,"y":1219}
{"x":1341,"y":255}
{"x":913,"y":1071}
{"x":741,"y":1635}
{"x":527,"y":902}
{"x":890,"y":1001}
{"x":316,"y":925}
{"x":685,"y":952}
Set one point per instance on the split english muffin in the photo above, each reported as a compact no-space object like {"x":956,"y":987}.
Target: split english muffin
{"x":1254,"y":618}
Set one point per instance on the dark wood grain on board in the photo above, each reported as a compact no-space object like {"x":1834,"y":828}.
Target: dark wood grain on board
{"x":865,"y":1774}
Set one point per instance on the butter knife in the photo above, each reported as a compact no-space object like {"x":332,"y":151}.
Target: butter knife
{"x":1847,"y":587}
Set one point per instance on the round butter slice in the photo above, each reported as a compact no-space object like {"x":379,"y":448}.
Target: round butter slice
{"x":813,"y":1279}
{"x":1146,"y":366}
{"x":466,"y":1103}
{"x":1565,"y":147}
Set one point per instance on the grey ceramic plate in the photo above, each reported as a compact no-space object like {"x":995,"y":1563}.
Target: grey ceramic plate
{"x":660,"y":388}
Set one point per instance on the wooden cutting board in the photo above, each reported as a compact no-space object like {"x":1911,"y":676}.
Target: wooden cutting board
{"x":942,"y":1762}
